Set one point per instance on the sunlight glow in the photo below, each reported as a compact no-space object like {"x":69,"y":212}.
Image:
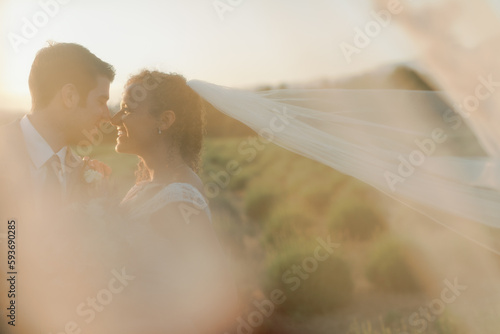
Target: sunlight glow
{"x":256,"y":43}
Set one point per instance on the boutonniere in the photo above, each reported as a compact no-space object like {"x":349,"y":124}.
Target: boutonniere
{"x":93,"y":195}
{"x":94,"y":171}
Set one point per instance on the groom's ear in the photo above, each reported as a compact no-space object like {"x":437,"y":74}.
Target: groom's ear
{"x":70,"y":96}
{"x":167,"y":118}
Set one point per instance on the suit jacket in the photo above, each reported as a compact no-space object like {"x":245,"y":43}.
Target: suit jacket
{"x":17,"y":182}
{"x":20,"y":202}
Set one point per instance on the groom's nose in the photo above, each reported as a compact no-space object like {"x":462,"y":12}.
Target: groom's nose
{"x":106,"y":115}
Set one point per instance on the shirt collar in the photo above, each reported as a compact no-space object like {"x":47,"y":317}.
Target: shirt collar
{"x":38,"y":149}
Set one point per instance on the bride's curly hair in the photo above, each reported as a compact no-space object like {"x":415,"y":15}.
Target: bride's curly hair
{"x":169,"y":91}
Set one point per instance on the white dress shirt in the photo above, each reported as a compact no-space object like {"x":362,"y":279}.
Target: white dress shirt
{"x":40,"y":152}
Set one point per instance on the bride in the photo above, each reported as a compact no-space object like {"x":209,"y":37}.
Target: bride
{"x":174,"y":251}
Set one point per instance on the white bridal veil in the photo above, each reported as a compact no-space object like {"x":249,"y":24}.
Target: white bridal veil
{"x":411,"y":145}
{"x":436,"y":151}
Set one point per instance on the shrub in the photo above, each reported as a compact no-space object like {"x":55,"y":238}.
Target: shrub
{"x":391,"y":266}
{"x":355,"y":220}
{"x":449,"y":324}
{"x":247,"y":172}
{"x":319,"y":191}
{"x":216,"y":155}
{"x":355,"y":188}
{"x":318,"y":290}
{"x":286,"y":225}
{"x":225,"y":214}
{"x":228,"y":224}
{"x":258,"y":202}
{"x":317,"y":199}
{"x":298,"y":178}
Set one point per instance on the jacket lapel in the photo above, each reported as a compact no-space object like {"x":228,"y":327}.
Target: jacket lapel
{"x":16,"y":193}
{"x":13,"y":146}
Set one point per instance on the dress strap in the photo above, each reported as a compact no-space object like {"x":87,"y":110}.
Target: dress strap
{"x":171,"y":193}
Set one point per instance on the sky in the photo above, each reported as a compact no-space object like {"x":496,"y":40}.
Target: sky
{"x":237,"y":43}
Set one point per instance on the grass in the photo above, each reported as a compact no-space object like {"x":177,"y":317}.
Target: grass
{"x":268,"y":217}
{"x":311,"y":285}
{"x":355,"y":220}
{"x":397,"y":323}
{"x":391,"y":267}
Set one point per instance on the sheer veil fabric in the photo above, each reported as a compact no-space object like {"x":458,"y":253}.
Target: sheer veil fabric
{"x":410,"y":145}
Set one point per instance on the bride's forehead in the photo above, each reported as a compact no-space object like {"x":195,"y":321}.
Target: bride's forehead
{"x":134,"y":93}
{"x":131,"y":89}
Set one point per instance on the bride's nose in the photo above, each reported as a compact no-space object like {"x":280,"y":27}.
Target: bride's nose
{"x":116,"y":119}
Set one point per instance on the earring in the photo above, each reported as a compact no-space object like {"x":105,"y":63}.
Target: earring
{"x":159,"y":131}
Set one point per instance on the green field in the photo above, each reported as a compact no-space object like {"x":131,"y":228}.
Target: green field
{"x":270,"y":206}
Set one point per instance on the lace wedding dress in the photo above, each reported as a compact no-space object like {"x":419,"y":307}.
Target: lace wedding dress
{"x":181,"y":280}
{"x":140,"y":207}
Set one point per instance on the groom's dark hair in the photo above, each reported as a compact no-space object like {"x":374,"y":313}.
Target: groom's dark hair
{"x":62,"y":63}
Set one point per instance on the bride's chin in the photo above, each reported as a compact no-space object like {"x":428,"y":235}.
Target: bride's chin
{"x":126,"y":149}
{"x":119,"y":148}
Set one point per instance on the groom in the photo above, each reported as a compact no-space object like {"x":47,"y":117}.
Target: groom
{"x":39,"y":173}
{"x":69,"y":90}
